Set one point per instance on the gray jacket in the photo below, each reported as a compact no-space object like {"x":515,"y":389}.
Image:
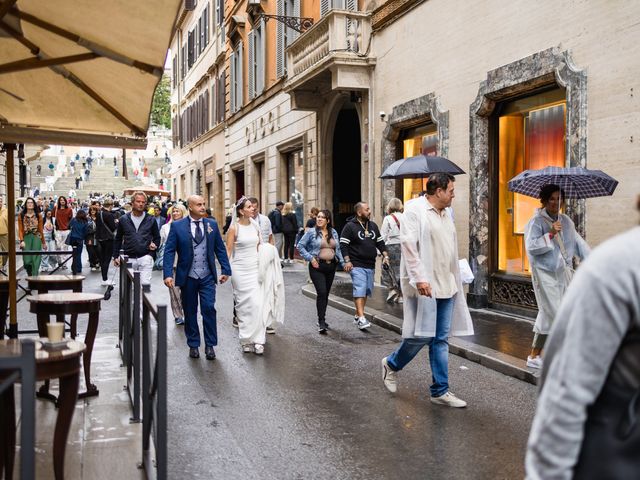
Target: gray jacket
{"x":601,"y":307}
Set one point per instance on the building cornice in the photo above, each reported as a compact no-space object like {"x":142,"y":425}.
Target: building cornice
{"x":391,"y":11}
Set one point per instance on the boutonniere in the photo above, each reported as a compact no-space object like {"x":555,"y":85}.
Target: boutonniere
{"x":209,"y":229}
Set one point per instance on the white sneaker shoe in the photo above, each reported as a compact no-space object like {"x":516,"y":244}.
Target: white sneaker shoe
{"x":389,"y":377}
{"x":534,"y":362}
{"x":449,"y":400}
{"x":391,"y":298}
{"x":363,"y":323}
{"x":258,"y":349}
{"x":247,"y":348}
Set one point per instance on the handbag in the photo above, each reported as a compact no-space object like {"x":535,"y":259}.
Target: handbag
{"x":612,"y":433}
{"x":67,"y":241}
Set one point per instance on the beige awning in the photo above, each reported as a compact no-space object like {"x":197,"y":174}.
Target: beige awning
{"x":81,"y":72}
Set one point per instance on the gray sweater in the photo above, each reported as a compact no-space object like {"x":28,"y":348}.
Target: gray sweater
{"x":600,"y":307}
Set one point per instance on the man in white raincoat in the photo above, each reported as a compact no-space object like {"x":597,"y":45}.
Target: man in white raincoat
{"x":434,"y":305}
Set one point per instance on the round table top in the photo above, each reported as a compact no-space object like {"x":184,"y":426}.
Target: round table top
{"x":66,"y":297}
{"x":56,"y":278}
{"x":13,"y":348}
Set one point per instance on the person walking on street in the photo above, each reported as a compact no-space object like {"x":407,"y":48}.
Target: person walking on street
{"x":434,"y":301}
{"x":90,"y":241}
{"x":106,"y":227}
{"x":197,"y":241}
{"x":390,"y":231}
{"x":31,"y":235}
{"x":585,"y":425}
{"x":138,"y":235}
{"x":551,"y":242}
{"x":275,"y":216}
{"x":243,"y":239}
{"x":63,"y":213}
{"x":320,"y":246}
{"x":79,"y":227}
{"x":290,"y":230}
{"x":178,"y":212}
{"x":4,"y":232}
{"x":360,"y":241}
{"x":49,"y":262}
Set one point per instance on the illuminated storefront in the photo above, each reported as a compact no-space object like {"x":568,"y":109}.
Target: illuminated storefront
{"x":420,"y":140}
{"x":530,"y":135}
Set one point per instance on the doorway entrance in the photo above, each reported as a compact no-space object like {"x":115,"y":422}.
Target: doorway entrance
{"x":346,"y":165}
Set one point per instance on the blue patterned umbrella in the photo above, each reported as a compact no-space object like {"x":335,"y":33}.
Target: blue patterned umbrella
{"x":576,"y":182}
{"x":420,"y":166}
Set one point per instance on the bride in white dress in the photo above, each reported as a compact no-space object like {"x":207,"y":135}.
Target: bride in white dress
{"x":243,"y":239}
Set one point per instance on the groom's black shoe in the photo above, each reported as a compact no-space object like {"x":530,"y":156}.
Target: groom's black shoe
{"x":210,"y":353}
{"x":194,"y":353}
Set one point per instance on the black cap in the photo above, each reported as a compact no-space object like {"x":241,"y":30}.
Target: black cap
{"x":279,"y":202}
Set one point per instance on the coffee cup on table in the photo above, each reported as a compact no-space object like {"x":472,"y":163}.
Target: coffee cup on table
{"x":55,"y":331}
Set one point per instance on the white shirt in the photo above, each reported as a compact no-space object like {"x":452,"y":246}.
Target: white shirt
{"x":390,"y":230}
{"x":265,"y":227}
{"x":442,"y":232}
{"x":192,"y":224}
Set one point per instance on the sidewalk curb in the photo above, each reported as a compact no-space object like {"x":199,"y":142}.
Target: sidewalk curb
{"x":487,"y":357}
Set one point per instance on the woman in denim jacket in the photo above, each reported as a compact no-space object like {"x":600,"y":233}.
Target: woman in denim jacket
{"x":320,"y":247}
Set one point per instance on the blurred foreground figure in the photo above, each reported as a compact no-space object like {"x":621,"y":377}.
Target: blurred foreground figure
{"x":587,"y":424}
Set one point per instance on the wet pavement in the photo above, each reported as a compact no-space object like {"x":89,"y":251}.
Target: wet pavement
{"x":314,"y":407}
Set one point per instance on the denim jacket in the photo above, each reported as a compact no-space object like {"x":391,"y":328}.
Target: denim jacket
{"x":309,"y":245}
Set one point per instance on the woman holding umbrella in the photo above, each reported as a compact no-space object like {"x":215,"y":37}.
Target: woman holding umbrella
{"x":551,"y":242}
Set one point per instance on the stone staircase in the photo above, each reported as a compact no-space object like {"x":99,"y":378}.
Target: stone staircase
{"x":101,"y":179}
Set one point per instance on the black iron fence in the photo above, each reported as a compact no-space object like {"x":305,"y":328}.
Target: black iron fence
{"x":142,"y":340}
{"x":154,"y":387}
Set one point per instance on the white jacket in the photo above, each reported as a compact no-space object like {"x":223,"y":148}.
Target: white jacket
{"x":271,"y":284}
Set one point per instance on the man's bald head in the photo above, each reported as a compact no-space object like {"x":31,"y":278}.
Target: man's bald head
{"x":197,"y":207}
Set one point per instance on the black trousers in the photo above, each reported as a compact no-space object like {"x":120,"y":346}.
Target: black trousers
{"x":106,"y":253}
{"x":289,"y":245}
{"x":322,"y":278}
{"x":93,"y":250}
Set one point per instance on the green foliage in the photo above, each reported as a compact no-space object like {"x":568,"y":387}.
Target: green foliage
{"x":161,"y":106}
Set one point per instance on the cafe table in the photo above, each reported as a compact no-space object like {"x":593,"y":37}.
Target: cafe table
{"x":62,"y":363}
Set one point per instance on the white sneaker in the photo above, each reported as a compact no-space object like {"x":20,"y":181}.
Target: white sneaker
{"x":247,"y":348}
{"x":392,"y":296}
{"x":258,"y":349}
{"x":449,"y":400}
{"x":534,"y":362}
{"x":389,"y":377}
{"x":363,"y":323}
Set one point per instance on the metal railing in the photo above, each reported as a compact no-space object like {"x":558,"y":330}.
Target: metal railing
{"x":129,"y":331}
{"x":22,"y":368}
{"x":146,"y":364}
{"x":154,"y":388}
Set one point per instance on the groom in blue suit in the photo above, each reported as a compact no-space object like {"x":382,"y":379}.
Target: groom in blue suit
{"x":197,"y":241}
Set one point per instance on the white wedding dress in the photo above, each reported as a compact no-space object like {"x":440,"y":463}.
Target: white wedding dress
{"x":246,"y":289}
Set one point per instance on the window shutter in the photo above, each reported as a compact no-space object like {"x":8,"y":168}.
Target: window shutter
{"x":296,"y":13}
{"x":206,"y":25}
{"x":352,"y":27}
{"x":221,"y":12}
{"x":232,"y":84}
{"x":240,"y":78}
{"x":280,"y":41}
{"x":325,"y":6}
{"x":252,"y":58}
{"x":262,"y":55}
{"x":223,"y":96}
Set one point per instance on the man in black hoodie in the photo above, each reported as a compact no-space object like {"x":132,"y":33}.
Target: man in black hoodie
{"x":139,"y":237}
{"x":359,"y":241}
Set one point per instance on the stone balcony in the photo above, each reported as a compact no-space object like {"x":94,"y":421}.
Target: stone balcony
{"x":331,"y":55}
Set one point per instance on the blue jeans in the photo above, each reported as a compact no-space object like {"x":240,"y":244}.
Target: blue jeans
{"x":438,"y":349}
{"x":76,"y":264}
{"x":205,"y":289}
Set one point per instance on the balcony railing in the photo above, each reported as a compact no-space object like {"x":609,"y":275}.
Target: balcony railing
{"x":340,"y":35}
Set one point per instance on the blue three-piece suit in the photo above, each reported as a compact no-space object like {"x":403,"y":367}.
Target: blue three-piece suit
{"x":196,"y":273}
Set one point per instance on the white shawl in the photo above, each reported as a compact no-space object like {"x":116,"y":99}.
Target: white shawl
{"x":271,"y":284}
{"x":416,"y":266}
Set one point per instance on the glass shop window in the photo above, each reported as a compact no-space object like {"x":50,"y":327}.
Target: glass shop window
{"x":531,"y":135}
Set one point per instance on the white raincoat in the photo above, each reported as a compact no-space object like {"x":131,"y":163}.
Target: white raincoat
{"x":549,"y":265}
{"x":417,"y":266}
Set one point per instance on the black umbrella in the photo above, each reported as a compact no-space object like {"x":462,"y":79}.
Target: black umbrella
{"x":420,"y":166}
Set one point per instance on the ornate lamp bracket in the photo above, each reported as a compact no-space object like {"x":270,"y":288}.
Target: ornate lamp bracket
{"x":299,"y":24}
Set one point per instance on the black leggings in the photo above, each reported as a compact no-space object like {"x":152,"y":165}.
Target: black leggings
{"x":322,"y":278}
{"x":106,"y":253}
{"x":289,"y":245}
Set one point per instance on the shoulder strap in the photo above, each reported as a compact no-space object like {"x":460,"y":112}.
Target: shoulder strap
{"x":396,"y":219}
